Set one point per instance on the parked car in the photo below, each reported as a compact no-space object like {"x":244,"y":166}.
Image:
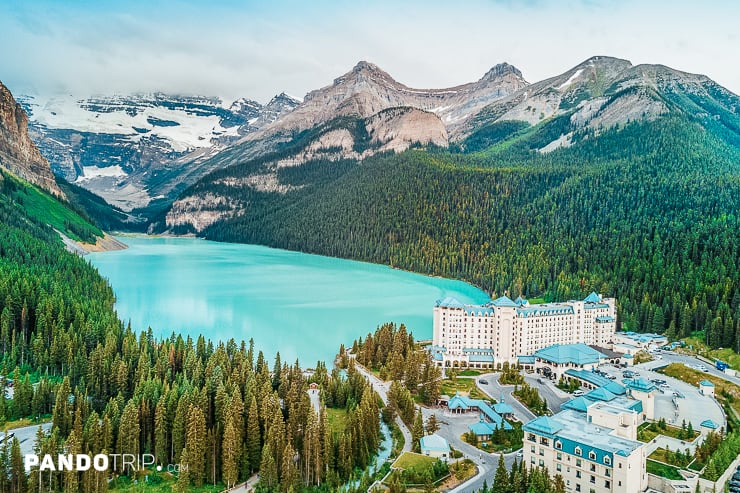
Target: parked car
{"x":520,"y":453}
{"x":482,"y":381}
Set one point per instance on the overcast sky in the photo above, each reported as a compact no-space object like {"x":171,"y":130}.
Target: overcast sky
{"x":257,"y":49}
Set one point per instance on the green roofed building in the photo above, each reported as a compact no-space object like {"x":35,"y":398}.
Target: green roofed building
{"x":592,"y":443}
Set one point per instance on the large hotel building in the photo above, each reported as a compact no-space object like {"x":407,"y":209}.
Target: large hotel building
{"x":478,"y":336}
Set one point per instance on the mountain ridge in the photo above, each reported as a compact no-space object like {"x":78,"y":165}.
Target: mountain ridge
{"x":18,"y":153}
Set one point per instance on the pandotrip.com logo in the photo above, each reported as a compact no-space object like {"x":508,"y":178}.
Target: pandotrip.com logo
{"x":124,"y":463}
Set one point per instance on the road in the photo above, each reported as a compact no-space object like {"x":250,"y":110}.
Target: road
{"x":451,"y":428}
{"x":26,"y":435}
{"x":497,"y":390}
{"x":671,"y":357}
{"x":381,"y":388}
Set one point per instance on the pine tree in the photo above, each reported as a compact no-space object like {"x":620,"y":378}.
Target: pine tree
{"x":161,"y":438}
{"x":196,"y":445}
{"x":17,"y":471}
{"x":417,"y":431}
{"x":128,"y":431}
{"x":501,"y":478}
{"x":183,"y":478}
{"x":268,"y":468}
{"x":231,"y":450}
{"x":254,"y":440}
{"x":432,"y":425}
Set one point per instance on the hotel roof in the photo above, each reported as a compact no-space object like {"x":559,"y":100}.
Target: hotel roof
{"x":641,"y":384}
{"x":573,"y":430}
{"x":579,"y":354}
{"x":592,"y":298}
{"x":597,"y":380}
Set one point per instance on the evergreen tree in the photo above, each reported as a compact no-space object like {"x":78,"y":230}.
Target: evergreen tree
{"x":418,"y":430}
{"x":231,"y":450}
{"x":254,"y":441}
{"x":432,"y":425}
{"x":196,"y":445}
{"x":501,"y":478}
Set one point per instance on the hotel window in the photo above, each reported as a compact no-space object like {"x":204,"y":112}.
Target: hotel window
{"x":593,"y":467}
{"x":578,"y":474}
{"x":542,"y":463}
{"x":578,"y":451}
{"x":607,"y":460}
{"x":578,"y":487}
{"x":593,"y":479}
{"x":607,"y":484}
{"x":559,"y":467}
{"x":542,"y":451}
{"x":578,"y":462}
{"x":531,"y":449}
{"x":560,"y":456}
{"x":607,"y":472}
{"x":558,"y":445}
{"x":592,"y":455}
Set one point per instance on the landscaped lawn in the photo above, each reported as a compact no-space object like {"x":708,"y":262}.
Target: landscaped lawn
{"x":645,"y":432}
{"x":408,"y":460}
{"x":662,"y":470}
{"x":660,"y":455}
{"x":464,"y":386}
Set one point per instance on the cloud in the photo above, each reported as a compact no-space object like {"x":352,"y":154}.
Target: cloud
{"x":258,"y":49}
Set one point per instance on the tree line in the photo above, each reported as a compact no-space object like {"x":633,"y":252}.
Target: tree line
{"x":647,"y":212}
{"x":216,"y":406}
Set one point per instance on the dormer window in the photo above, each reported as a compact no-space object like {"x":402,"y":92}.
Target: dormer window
{"x":607,"y":460}
{"x":558,"y":445}
{"x":578,"y":451}
{"x":592,"y":455}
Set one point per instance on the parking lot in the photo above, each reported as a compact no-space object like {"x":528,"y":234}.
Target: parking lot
{"x":687,"y":403}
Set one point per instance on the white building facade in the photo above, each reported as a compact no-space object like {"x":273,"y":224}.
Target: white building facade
{"x":595,"y":452}
{"x":498,"y":331}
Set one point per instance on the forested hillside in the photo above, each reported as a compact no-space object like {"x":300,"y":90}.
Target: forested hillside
{"x":219,"y":407}
{"x":648,"y":212}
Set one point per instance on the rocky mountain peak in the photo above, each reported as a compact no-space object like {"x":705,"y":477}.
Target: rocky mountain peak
{"x":500,"y":70}
{"x":18,"y":154}
{"x":363,"y":72}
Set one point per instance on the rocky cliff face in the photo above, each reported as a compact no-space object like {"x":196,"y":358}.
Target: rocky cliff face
{"x":18,"y":154}
{"x":121,"y":147}
{"x":366,"y":90}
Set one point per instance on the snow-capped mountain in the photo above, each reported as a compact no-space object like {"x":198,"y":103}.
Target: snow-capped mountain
{"x":114,"y":145}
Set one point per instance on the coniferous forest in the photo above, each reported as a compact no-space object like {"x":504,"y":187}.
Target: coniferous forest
{"x":220,"y":407}
{"x":648,"y":212}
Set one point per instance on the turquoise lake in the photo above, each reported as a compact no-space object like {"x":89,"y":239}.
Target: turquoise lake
{"x":302,"y":305}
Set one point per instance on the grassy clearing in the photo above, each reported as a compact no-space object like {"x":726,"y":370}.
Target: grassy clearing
{"x":409,"y":460}
{"x":725,"y":354}
{"x":663,"y":470}
{"x":726,"y":392}
{"x":20,"y":423}
{"x":337,"y":420}
{"x":465,"y":386}
{"x":156,"y":482}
